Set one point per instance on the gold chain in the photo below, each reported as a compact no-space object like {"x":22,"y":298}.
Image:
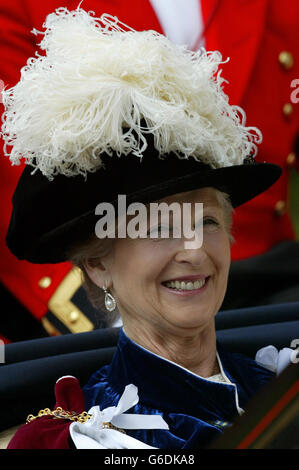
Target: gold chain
{"x":70,"y":415}
{"x":60,"y":413}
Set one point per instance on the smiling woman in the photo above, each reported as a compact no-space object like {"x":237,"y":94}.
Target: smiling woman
{"x":153,"y":314}
{"x":153,"y":124}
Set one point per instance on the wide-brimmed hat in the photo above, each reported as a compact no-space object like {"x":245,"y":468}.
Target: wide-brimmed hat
{"x":109,"y":111}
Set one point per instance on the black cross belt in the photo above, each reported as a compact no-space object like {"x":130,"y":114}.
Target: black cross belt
{"x":16,"y":322}
{"x":69,"y":311}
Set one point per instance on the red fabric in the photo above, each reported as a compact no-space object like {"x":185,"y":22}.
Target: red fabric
{"x":48,"y":432}
{"x":17,"y":19}
{"x":252,"y":34}
{"x":5,"y":340}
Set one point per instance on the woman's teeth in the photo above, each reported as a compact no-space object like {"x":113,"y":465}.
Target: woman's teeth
{"x":185,"y":285}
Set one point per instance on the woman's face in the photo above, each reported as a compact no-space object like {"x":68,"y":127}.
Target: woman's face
{"x":139,"y":268}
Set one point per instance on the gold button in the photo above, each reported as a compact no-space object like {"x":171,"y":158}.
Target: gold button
{"x":287,"y":109}
{"x":286,"y":59}
{"x":280,"y":208}
{"x":45,"y":282}
{"x":291,"y":160}
{"x":74,"y":316}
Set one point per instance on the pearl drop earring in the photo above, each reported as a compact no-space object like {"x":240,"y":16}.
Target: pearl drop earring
{"x":110,"y":302}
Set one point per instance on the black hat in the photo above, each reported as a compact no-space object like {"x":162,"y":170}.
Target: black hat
{"x":49,"y":216}
{"x":107,"y":112}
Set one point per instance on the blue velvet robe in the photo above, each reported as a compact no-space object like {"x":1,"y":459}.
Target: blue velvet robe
{"x":197,"y":410}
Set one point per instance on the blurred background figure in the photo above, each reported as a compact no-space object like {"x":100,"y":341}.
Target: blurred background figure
{"x":261,"y":37}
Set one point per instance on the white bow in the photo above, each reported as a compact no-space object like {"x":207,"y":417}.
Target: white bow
{"x":274,"y":360}
{"x":94,"y":435}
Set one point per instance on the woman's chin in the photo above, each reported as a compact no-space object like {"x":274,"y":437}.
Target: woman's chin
{"x":189,"y":318}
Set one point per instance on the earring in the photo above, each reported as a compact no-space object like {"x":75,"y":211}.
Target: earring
{"x":110,"y":302}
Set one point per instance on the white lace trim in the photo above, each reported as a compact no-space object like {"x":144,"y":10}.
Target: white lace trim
{"x":217,"y":378}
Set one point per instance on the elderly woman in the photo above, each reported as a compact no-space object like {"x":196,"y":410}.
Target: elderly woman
{"x":108,"y":111}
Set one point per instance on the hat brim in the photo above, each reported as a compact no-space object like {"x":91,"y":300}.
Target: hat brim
{"x":63,"y":211}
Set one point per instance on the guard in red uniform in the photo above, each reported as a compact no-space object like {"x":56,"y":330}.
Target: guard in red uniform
{"x":261,"y":37}
{"x":44,"y":300}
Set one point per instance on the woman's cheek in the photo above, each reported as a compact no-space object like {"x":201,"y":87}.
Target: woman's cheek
{"x":218,"y":246}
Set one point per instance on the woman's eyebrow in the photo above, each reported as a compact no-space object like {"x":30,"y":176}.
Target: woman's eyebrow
{"x":207,"y":206}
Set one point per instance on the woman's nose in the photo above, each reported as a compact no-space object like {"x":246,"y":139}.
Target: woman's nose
{"x":197,"y":256}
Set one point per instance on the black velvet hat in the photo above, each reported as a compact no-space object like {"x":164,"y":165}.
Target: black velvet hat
{"x":49,"y":216}
{"x":109,"y":111}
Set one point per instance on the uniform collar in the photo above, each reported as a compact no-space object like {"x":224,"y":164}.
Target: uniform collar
{"x":167,"y":386}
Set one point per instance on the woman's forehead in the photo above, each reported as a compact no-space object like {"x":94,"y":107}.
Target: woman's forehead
{"x":206,"y":196}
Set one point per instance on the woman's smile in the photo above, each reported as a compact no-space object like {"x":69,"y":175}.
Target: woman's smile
{"x":187,"y":288}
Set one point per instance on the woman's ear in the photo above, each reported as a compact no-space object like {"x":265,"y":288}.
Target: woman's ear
{"x":97,"y":272}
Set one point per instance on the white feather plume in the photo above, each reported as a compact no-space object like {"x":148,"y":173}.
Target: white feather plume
{"x":98,"y":79}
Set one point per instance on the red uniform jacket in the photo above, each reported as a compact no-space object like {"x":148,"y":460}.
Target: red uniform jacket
{"x":253,"y":34}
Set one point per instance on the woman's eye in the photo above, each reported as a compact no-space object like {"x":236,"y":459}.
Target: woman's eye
{"x":210,"y":224}
{"x":157,"y":231}
{"x":209,"y":221}
{"x":169,"y":232}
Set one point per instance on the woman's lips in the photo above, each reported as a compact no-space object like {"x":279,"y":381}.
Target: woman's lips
{"x":188,"y":292}
{"x":194,"y":277}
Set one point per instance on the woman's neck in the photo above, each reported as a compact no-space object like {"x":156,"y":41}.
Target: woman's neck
{"x":195,"y":351}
